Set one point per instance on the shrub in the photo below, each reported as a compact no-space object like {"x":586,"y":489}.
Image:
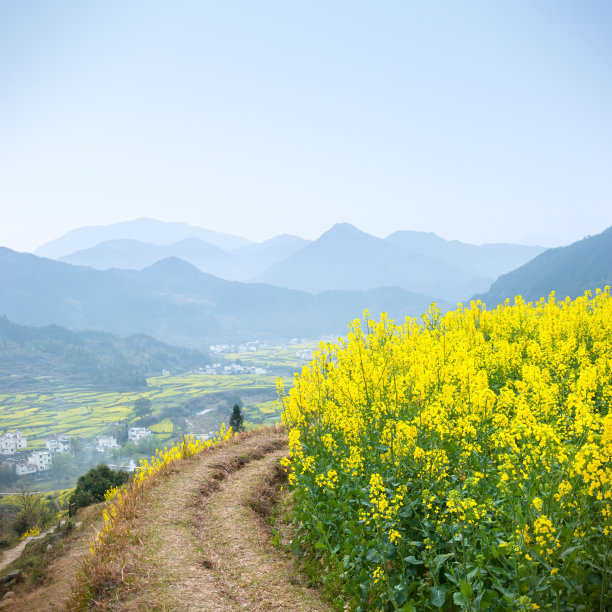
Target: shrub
{"x":34,"y":512}
{"x":92,"y":486}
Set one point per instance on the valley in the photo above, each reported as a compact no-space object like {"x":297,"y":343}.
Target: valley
{"x":187,"y":403}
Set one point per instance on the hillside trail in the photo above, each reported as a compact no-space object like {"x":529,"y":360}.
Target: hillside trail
{"x":12,"y":554}
{"x":60,"y":575}
{"x":202,"y":543}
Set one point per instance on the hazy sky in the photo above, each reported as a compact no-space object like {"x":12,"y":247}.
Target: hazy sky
{"x":482,"y":121}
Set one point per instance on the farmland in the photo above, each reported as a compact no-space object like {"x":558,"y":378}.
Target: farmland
{"x":57,"y":407}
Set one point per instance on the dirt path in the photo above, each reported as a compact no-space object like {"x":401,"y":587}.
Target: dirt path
{"x":204,"y":547}
{"x":10,"y":555}
{"x":60,"y":576}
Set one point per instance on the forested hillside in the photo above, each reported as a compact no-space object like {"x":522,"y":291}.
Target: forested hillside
{"x":100,"y":359}
{"x":175,"y":302}
{"x":568,"y":271}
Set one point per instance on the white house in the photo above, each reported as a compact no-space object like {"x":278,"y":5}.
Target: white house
{"x":12,"y":442}
{"x":105,"y":443}
{"x":41,"y":459}
{"x":136,"y":433}
{"x":22,"y":468}
{"x":58,"y":444}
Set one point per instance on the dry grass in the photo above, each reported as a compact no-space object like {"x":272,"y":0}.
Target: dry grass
{"x":198,"y":538}
{"x":53,"y":589}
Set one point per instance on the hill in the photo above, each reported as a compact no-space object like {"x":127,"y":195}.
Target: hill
{"x":99,"y":359}
{"x":487,"y":260}
{"x":175,"y":302}
{"x":212,"y":511}
{"x":143,"y":229}
{"x":241,"y":264}
{"x":346,"y":258}
{"x":130,"y":254}
{"x":569,"y":271}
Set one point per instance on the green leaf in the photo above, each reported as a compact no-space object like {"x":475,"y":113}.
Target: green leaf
{"x":568,"y":551}
{"x":465,"y":587}
{"x":437,"y":595}
{"x":413,"y":560}
{"x":473,"y":573}
{"x":440,"y":559}
{"x":461,"y":600}
{"x":488,"y":597}
{"x":320,"y":545}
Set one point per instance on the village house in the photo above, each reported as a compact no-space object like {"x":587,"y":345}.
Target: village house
{"x":23,"y":468}
{"x":105,"y":443}
{"x":11,"y":442}
{"x":136,"y":433}
{"x":41,"y":459}
{"x":58,"y":444}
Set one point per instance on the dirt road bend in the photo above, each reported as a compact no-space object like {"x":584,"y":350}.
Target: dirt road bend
{"x":202,"y":543}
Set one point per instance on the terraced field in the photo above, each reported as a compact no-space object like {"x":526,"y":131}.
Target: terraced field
{"x":55,"y":408}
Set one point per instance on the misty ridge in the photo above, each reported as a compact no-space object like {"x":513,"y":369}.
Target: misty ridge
{"x":193,"y":287}
{"x":417,"y":261}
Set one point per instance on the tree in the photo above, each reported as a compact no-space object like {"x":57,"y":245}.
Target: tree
{"x":92,"y":486}
{"x":76,"y":446}
{"x":64,"y":466}
{"x":34,"y":512}
{"x":146,"y":445}
{"x":120,"y":432}
{"x":129,"y":449}
{"x":7,"y":473}
{"x":237,"y":420}
{"x":142,"y":407}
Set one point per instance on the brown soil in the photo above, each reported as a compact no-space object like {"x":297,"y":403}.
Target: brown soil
{"x":201,"y":542}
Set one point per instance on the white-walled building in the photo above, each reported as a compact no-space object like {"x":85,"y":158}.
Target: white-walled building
{"x":12,"y":442}
{"x":23,"y":468}
{"x":58,"y":444}
{"x":105,"y":443}
{"x":136,"y":433}
{"x":41,"y":459}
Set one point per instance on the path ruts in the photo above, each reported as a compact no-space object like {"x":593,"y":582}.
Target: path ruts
{"x":202,"y":545}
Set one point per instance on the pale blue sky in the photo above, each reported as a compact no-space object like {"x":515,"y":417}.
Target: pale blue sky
{"x":482,"y":121}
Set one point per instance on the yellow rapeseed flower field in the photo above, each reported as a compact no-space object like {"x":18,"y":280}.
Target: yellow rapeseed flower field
{"x":460,"y":461}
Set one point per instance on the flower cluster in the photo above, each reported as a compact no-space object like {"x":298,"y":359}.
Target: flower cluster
{"x":471,"y":454}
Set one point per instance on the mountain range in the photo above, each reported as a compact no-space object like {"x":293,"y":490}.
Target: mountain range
{"x":143,"y":229}
{"x":338,"y":275}
{"x":342,"y":258}
{"x":175,"y":302}
{"x":241,"y":264}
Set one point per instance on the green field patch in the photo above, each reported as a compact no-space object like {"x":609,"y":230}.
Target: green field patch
{"x":165,"y":426}
{"x":271,"y":407}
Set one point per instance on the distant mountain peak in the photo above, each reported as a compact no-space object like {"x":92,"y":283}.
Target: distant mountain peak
{"x":143,"y":229}
{"x":343,"y":228}
{"x":172,"y":264}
